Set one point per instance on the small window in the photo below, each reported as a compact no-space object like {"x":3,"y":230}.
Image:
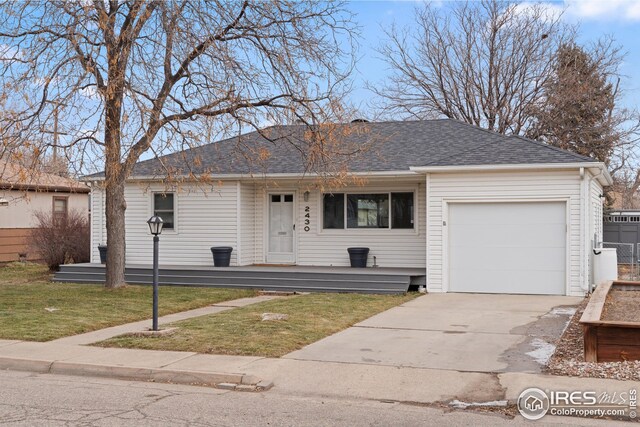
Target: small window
{"x":60,"y":208}
{"x":333,"y":211}
{"x":288,"y":198}
{"x":163,"y":206}
{"x":275,"y":198}
{"x":368,"y":210}
{"x":402,"y":210}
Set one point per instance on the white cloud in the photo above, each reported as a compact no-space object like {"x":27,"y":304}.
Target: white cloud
{"x":550,"y":10}
{"x":600,"y":10}
{"x":587,"y":10}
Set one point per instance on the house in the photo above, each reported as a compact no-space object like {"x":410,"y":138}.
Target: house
{"x":474,"y":210}
{"x":24,"y":192}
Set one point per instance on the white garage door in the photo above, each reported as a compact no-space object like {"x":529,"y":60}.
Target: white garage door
{"x":515,"y":248}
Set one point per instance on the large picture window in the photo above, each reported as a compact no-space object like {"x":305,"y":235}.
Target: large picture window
{"x":163,"y":206}
{"x":374,"y":210}
{"x":368,"y":211}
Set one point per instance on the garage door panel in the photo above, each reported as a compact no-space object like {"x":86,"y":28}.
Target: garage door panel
{"x":507,"y":247}
{"x":502,"y":236}
{"x":509,"y":213}
{"x":511,"y":259}
{"x":511,"y":283}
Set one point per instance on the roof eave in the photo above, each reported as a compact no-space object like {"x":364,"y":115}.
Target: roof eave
{"x":593,"y":166}
{"x":259,"y":176}
{"x":44,"y":188}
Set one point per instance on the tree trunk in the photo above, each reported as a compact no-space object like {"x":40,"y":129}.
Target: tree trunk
{"x":115,"y":207}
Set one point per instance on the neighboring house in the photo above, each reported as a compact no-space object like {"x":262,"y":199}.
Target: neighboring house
{"x":478,"y":211}
{"x":24,"y":192}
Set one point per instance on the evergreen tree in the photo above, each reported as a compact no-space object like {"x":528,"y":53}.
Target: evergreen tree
{"x":576,"y":112}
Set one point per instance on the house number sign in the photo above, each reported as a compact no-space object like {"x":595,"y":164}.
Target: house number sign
{"x":307,"y":219}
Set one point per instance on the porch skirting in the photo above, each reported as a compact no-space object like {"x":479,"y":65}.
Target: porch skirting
{"x":287,"y":279}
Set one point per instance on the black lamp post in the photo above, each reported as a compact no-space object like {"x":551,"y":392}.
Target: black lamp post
{"x":155,"y":226}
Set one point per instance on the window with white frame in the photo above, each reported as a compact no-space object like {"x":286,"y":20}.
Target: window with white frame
{"x":164,"y":207}
{"x":371,"y":210}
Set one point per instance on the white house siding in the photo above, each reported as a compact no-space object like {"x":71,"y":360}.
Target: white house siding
{"x":205,"y":217}
{"x":500,"y":186}
{"x":595,"y":222}
{"x":98,"y":225}
{"x":391,"y":247}
{"x":247,"y":217}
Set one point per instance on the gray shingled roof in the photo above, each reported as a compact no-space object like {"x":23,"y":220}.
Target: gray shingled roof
{"x":397,"y":146}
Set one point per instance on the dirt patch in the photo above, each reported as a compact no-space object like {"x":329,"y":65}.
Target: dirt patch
{"x":568,"y":359}
{"x":622,"y":306}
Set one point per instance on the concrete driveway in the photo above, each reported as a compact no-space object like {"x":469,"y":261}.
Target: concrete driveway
{"x":462,"y":332}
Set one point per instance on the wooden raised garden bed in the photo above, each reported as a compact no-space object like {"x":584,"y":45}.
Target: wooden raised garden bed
{"x":611,"y":323}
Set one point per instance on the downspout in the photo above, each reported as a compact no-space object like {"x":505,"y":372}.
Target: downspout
{"x":586,"y":286}
{"x":584,"y":276}
{"x":595,"y":177}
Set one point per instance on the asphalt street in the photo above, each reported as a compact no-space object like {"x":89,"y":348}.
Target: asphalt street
{"x":28,"y":399}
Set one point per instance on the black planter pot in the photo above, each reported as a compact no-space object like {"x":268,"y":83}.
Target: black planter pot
{"x":358,"y":257}
{"x":103,"y":253}
{"x":221,"y":255}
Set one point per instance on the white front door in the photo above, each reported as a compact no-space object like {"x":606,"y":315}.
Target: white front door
{"x":281,"y":245}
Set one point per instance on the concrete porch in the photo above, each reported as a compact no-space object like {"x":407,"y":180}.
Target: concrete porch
{"x":271,"y":278}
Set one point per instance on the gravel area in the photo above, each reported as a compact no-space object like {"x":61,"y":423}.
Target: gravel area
{"x":622,"y":305}
{"x":568,"y":359}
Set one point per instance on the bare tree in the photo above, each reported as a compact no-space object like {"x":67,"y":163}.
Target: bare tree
{"x":623,"y":194}
{"x":128,"y":77}
{"x":483,"y":63}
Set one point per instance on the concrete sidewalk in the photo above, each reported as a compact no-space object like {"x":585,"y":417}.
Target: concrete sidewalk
{"x":291,"y":377}
{"x":142,"y":365}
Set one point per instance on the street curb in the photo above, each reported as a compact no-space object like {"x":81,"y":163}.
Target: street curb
{"x":186,"y":377}
{"x":29,"y":365}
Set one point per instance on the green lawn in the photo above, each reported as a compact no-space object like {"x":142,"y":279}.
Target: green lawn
{"x":242,"y":332}
{"x":26,"y":293}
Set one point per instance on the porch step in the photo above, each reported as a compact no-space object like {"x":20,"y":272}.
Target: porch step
{"x":266,"y":279}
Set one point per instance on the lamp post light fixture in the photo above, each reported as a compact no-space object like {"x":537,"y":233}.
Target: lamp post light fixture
{"x":155,"y":226}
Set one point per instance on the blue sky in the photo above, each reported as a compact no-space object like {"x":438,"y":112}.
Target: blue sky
{"x":617,"y":18}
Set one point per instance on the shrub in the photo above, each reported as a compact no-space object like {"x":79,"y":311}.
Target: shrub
{"x":61,"y":240}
